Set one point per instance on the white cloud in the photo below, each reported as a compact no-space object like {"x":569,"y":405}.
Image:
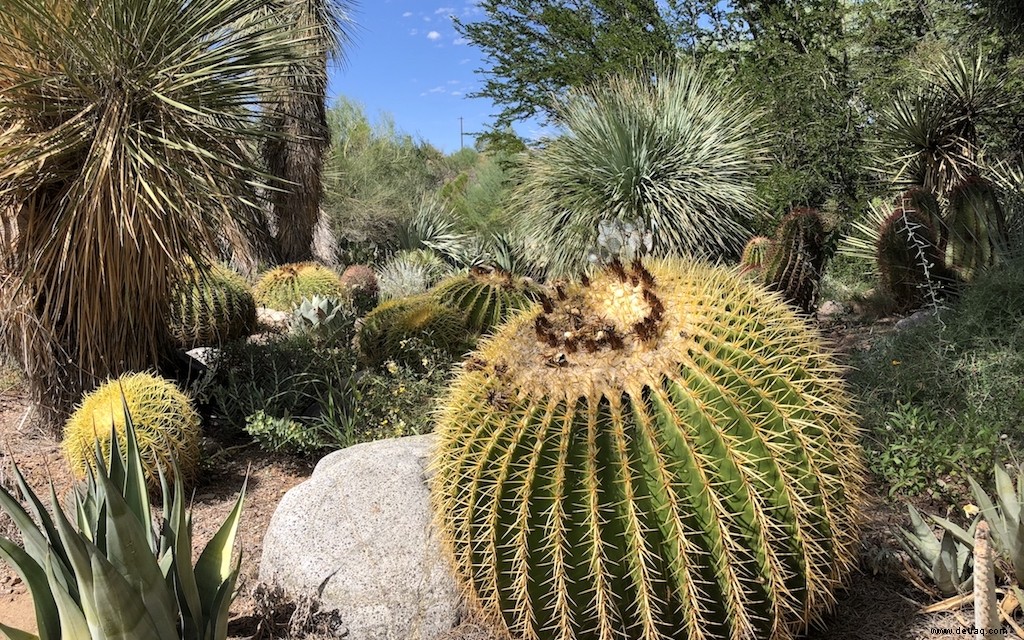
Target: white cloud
{"x":456,"y":93}
{"x":458,"y":41}
{"x":407,"y":14}
{"x":438,"y":90}
{"x":413,"y":32}
{"x":464,"y":61}
{"x":433,"y":35}
{"x":443,"y":10}
{"x":454,"y":82}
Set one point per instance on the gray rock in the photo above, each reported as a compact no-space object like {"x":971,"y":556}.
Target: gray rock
{"x":831,"y":309}
{"x":924,"y":316}
{"x":359,"y":534}
{"x":273,"y":319}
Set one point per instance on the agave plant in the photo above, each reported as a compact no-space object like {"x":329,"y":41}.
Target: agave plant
{"x":109,"y":574}
{"x":947,"y":561}
{"x":676,"y":158}
{"x":127,"y":145}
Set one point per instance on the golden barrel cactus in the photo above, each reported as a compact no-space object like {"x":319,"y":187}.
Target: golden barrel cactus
{"x":665,"y":451}
{"x":486,"y":297}
{"x":283,"y":288}
{"x":214,"y":308}
{"x":166,"y":426}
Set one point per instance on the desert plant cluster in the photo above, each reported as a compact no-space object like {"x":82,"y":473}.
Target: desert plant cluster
{"x":674,"y":355}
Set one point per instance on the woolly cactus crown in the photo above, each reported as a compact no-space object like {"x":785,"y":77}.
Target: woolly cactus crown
{"x":665,"y":451}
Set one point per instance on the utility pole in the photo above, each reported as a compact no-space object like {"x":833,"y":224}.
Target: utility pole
{"x":461,"y":134}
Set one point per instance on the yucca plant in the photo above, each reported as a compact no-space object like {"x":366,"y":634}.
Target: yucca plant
{"x":796,"y":260}
{"x":127,"y":146}
{"x":677,"y":157}
{"x":661,"y":451}
{"x":104,"y":572}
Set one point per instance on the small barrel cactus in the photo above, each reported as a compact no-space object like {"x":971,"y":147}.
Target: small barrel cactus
{"x":212,"y":308}
{"x":166,"y":426}
{"x":927,"y":205}
{"x":382,"y":333}
{"x":909,"y":262}
{"x":664,"y":451}
{"x":795,"y":262}
{"x":360,"y":284}
{"x":977,"y":227}
{"x":284,"y":287}
{"x":485,"y":296}
{"x":754,"y":254}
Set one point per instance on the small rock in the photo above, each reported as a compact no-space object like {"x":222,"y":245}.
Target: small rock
{"x":273,"y":319}
{"x":831,"y":309}
{"x":924,"y":316}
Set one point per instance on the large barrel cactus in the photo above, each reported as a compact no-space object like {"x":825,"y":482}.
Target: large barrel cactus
{"x":284,"y":287}
{"x":794,"y":265}
{"x":382,"y":334}
{"x":977,"y":227}
{"x":166,"y":426}
{"x":909,"y":262}
{"x":212,"y":309}
{"x":485,"y":296}
{"x":665,"y":451}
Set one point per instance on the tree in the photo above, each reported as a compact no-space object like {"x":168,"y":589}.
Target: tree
{"x":539,"y":49}
{"x":127,"y":132}
{"x":297,"y":110}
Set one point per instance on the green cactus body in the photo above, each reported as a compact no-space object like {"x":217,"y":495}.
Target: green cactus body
{"x":486,"y":297}
{"x":794,"y":265}
{"x":166,"y":426}
{"x":754,"y":254}
{"x":909,"y":261}
{"x":360,"y":284}
{"x":284,"y":287}
{"x":926,"y":204}
{"x":212,"y":309}
{"x":383,"y":331}
{"x":665,"y":451}
{"x":977,"y":227}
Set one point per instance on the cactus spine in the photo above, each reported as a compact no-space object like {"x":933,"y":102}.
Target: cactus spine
{"x":909,"y":262}
{"x":794,"y":265}
{"x":977,"y":227}
{"x":166,"y":426}
{"x":754,"y":254}
{"x":485,"y":297}
{"x":212,"y":309}
{"x":665,"y":451}
{"x":284,"y":287}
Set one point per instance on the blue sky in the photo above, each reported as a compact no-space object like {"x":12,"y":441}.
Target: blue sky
{"x":407,"y":59}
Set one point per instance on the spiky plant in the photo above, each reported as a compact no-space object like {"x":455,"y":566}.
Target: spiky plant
{"x":485,"y":297}
{"x":910,"y":264}
{"x":794,"y":265}
{"x":212,"y":308}
{"x":296,"y":108}
{"x":927,"y":204}
{"x":665,"y":451}
{"x":361,"y":286}
{"x":410,"y":273}
{"x":977,"y":227}
{"x":127,"y":132}
{"x":754,"y":254}
{"x":676,"y":157}
{"x":111,"y":574}
{"x":382,"y":334}
{"x":166,"y":426}
{"x":284,"y":287}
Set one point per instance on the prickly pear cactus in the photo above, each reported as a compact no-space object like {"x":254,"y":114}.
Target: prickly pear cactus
{"x":212,"y":309}
{"x":284,"y":287}
{"x":485,"y":296}
{"x":977,"y":227}
{"x":166,"y":426}
{"x":794,"y":265}
{"x":909,"y":262}
{"x":663,"y":452}
{"x":382,"y":333}
{"x":754,"y":254}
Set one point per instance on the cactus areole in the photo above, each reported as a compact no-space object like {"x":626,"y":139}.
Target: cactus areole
{"x":664,"y":451}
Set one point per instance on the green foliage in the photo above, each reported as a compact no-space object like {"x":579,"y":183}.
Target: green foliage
{"x":128,"y":138}
{"x":166,"y":426}
{"x":942,"y":399}
{"x":675,"y":157}
{"x":795,"y":263}
{"x":485,"y":297}
{"x":912,"y":269}
{"x":283,"y":435}
{"x":361,"y":287}
{"x":663,"y":451}
{"x":945,"y":561}
{"x":977,"y":227}
{"x":384,"y":332}
{"x":324,"y":320}
{"x":283,"y":288}
{"x":111,"y":574}
{"x":212,"y":308}
{"x":540,"y":49}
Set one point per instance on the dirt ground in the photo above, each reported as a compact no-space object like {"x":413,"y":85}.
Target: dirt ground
{"x":879,"y":601}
